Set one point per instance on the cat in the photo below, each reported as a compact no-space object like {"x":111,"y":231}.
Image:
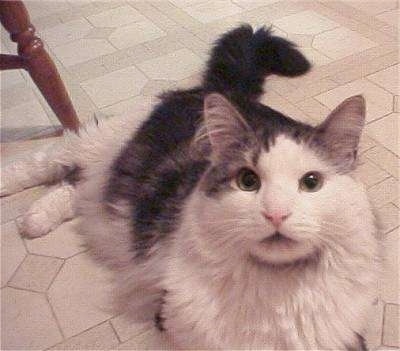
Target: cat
{"x":229,"y":224}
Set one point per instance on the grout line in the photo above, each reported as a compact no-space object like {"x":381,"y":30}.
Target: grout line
{"x":379,"y":181}
{"x":55,"y":316}
{"x":382,"y":181}
{"x":115,"y":332}
{"x":55,"y":276}
{"x":383,"y":319}
{"x":15,"y":272}
{"x":379,"y":85}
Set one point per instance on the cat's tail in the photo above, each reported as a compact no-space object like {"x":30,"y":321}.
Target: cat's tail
{"x":242,"y":58}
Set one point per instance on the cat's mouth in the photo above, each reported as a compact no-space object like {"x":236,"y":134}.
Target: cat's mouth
{"x":280,"y":250}
{"x":279,"y":240}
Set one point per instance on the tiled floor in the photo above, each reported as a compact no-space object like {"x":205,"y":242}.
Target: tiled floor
{"x":112,"y":54}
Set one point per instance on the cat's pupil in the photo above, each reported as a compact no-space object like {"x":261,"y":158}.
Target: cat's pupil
{"x":249,"y":180}
{"x":311,"y":181}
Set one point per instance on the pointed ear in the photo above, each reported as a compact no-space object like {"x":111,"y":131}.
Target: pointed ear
{"x":340,"y":133}
{"x":224,"y":126}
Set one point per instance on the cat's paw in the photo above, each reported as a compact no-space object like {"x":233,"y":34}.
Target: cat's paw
{"x":34,"y":224}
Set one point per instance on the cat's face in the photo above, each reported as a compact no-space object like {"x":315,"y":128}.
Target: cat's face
{"x":283,"y":203}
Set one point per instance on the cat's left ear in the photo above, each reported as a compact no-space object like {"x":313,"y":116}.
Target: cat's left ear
{"x":340,"y":133}
{"x":224,"y":127}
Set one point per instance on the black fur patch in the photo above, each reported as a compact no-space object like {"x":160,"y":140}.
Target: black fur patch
{"x":360,"y":346}
{"x":158,"y":169}
{"x":159,"y":319}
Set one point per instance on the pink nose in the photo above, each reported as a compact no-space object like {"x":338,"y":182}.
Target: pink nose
{"x":276,"y":217}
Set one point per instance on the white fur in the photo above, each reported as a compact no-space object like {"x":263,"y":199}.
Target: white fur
{"x":223,"y":291}
{"x":48,"y":212}
{"x":218,"y":289}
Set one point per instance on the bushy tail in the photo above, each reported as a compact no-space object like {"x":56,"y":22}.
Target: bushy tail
{"x":242,"y":58}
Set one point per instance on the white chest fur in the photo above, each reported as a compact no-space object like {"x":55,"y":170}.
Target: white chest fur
{"x":320,"y":307}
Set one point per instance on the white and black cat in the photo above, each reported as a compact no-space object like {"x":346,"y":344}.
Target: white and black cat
{"x":230,"y":224}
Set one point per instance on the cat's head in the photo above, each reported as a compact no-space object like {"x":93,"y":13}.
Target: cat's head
{"x":280,"y":195}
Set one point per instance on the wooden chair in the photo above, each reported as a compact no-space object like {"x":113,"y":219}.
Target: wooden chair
{"x":33,"y":57}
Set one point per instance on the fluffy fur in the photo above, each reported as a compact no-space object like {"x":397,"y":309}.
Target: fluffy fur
{"x":160,"y":206}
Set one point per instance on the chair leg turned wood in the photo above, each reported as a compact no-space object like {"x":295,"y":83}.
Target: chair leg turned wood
{"x":15,"y":19}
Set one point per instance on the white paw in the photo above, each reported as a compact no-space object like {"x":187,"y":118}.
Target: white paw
{"x":34,"y":224}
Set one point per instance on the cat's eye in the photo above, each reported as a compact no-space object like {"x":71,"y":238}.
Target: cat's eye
{"x":247,"y":180}
{"x":311,"y":182}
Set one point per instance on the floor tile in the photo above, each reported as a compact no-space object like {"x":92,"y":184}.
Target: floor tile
{"x":82,"y":50}
{"x":314,"y":109}
{"x":366,"y":143}
{"x":39,"y":9}
{"x":99,"y":33}
{"x":133,"y":106}
{"x":156,"y":87}
{"x":36,"y":273}
{"x":115,"y":86}
{"x":384,"y":192}
{"x":379,"y":102}
{"x":127,"y":329}
{"x":373,"y":333}
{"x":62,"y":242}
{"x":388,"y":218}
{"x":13,"y":151}
{"x":66,"y":32}
{"x":101,"y":337}
{"x":16,"y":94}
{"x":370,"y":174}
{"x":208,"y":11}
{"x":389,"y":280}
{"x":315,"y":57}
{"x":10,"y":78}
{"x":166,"y":67}
{"x":390,"y":17}
{"x":23,"y":121}
{"x":308,"y":90}
{"x":305,"y":22}
{"x":150,"y":10}
{"x":252,"y":4}
{"x":391,"y":326}
{"x":12,"y":251}
{"x":282,"y":105}
{"x":150,"y":339}
{"x":15,"y":205}
{"x":387,"y":78}
{"x":72,"y":295}
{"x":385,"y":159}
{"x":354,"y":72}
{"x":27,"y":321}
{"x":386,"y":131}
{"x":88,"y":70}
{"x":134,"y":34}
{"x":372,"y":7}
{"x":341,"y":42}
{"x":116,"y":17}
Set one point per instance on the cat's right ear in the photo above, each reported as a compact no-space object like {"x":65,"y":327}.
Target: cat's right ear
{"x":223,"y":125}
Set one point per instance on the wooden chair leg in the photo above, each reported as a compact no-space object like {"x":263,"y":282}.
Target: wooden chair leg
{"x":15,"y":19}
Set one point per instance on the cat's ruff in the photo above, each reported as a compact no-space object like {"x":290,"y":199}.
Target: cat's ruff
{"x":159,"y":205}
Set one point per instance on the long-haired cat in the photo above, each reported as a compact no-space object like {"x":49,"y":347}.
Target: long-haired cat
{"x":230,"y":224}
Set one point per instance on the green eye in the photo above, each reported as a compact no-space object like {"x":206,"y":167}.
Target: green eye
{"x":247,"y":180}
{"x":311,"y":182}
